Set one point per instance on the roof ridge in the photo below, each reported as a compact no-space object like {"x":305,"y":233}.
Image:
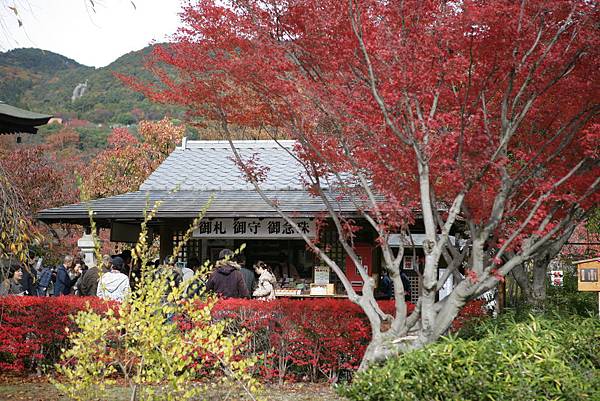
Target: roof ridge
{"x":239,"y":143}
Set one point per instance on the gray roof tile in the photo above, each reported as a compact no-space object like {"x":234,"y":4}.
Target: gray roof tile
{"x":209,"y":166}
{"x":200,"y":169}
{"x":187,"y":204}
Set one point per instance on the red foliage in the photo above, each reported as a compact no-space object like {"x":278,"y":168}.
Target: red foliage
{"x":297,"y":339}
{"x":495,"y":100}
{"x":472,"y":310}
{"x":33,"y":329}
{"x":303,"y":340}
{"x":128,"y":161}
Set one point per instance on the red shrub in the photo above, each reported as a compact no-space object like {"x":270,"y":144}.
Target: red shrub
{"x":472,"y":311}
{"x":303,"y":339}
{"x":33,"y":329}
{"x":311,"y":339}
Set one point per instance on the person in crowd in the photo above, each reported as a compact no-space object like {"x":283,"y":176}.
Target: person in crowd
{"x":79,"y":269}
{"x":169,"y":272}
{"x":249,"y":277}
{"x":266,"y":282}
{"x":45,"y":277}
{"x":174,"y":273}
{"x":189,"y":269}
{"x":89,"y":282}
{"x":386,"y":286}
{"x":114,"y":285}
{"x":12,"y":285}
{"x":28,"y":281}
{"x":405,"y":284}
{"x":192,"y":285}
{"x":135,"y":273}
{"x":127,"y":262}
{"x":64,"y":282}
{"x":285,"y":269}
{"x":227,"y":279}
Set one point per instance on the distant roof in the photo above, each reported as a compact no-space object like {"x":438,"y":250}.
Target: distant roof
{"x":209,"y":166}
{"x":14,"y":120}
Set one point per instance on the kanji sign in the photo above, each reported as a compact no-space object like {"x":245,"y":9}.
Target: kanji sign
{"x":556,"y":278}
{"x":253,"y":228}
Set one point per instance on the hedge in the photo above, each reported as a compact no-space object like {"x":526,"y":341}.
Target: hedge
{"x":302,"y":340}
{"x":540,"y":359}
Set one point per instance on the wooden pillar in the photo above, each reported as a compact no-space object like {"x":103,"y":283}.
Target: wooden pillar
{"x":166,"y":242}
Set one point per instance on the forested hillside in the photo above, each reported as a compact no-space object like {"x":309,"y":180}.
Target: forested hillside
{"x":45,"y":82}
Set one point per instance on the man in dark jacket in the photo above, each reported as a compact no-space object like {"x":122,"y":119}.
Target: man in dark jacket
{"x":89,"y":282}
{"x":64,"y":283}
{"x":27,"y":282}
{"x":249,"y":277}
{"x":227,"y":280}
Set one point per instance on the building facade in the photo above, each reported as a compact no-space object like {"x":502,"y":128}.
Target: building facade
{"x":200,"y":171}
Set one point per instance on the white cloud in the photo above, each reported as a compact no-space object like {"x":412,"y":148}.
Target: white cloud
{"x":73,"y":29}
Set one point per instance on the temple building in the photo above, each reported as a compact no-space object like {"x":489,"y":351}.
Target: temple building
{"x":199,"y":170}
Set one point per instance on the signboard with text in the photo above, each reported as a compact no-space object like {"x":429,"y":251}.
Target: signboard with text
{"x":253,"y":228}
{"x":588,"y":275}
{"x":321,"y":275}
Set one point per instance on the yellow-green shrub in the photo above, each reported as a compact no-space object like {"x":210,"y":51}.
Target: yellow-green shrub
{"x":157,"y":340}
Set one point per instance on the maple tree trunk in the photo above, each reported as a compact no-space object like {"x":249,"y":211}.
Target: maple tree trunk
{"x":536,"y":296}
{"x":534,"y":289}
{"x":384,"y":346}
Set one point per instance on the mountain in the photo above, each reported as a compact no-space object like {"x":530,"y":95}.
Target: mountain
{"x":50,"y":83}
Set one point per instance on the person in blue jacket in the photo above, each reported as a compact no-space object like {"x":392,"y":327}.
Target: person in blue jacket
{"x":64,"y":283}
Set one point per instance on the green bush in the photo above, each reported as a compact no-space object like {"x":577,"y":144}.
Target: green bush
{"x":540,"y":359}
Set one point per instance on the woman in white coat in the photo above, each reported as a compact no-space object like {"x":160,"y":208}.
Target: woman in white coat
{"x":266,"y":282}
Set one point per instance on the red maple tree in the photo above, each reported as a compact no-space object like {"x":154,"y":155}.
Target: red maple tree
{"x":482,"y":115}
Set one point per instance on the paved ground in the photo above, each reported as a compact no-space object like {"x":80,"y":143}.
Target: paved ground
{"x":27,"y":390}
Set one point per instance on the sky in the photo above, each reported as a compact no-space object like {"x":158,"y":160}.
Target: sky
{"x":73,"y":29}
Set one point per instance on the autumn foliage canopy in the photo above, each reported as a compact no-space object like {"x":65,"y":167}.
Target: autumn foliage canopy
{"x":473,"y":111}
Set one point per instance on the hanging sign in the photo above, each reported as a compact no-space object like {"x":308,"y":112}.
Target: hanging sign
{"x":556,"y":278}
{"x":253,"y":228}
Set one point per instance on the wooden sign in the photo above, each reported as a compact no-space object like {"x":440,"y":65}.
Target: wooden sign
{"x":588,"y":275}
{"x":259,"y":228}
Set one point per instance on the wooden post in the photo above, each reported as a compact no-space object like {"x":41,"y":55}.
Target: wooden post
{"x":166,"y":242}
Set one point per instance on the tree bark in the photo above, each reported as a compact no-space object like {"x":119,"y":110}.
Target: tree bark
{"x":387,"y":345}
{"x":536,"y":296}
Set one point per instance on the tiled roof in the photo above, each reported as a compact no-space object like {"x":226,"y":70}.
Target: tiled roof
{"x":209,"y":166}
{"x":187,"y":204}
{"x":199,"y":169}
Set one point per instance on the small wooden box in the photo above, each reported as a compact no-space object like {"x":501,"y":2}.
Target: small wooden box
{"x":322,"y":289}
